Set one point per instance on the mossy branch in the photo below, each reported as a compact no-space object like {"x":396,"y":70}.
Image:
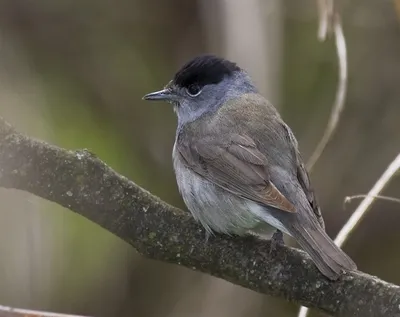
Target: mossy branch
{"x":84,"y":184}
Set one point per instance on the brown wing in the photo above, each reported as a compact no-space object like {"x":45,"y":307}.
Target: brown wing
{"x":235,"y":165}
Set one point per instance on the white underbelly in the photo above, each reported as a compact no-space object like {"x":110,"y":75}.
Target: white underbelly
{"x":219,"y":210}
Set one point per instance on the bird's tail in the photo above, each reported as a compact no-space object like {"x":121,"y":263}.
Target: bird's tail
{"x":327,"y":256}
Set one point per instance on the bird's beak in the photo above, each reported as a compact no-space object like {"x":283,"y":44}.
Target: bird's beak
{"x":165,"y":94}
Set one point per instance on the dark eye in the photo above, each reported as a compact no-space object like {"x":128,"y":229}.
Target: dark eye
{"x":193,"y":90}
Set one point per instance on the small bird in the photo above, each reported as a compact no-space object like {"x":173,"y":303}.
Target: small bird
{"x":237,"y":163}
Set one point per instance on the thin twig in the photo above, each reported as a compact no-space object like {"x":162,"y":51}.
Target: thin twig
{"x":340,"y":98}
{"x":325,"y":12}
{"x":6,"y":311}
{"x":366,"y":203}
{"x":349,"y":199}
{"x":303,"y":312}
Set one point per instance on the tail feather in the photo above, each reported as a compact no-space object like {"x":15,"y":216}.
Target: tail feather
{"x":327,"y":256}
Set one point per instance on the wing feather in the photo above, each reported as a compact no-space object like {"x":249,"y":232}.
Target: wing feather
{"x":235,"y":165}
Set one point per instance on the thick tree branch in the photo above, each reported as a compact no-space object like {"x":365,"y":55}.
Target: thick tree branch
{"x":84,"y":184}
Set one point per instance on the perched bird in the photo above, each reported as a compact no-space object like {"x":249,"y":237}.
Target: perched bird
{"x":237,"y":164}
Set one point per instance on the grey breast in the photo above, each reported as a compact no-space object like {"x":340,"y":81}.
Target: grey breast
{"x":216,"y":209}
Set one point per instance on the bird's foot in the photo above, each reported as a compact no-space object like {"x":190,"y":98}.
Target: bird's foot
{"x":207,"y":236}
{"x":276,"y":239}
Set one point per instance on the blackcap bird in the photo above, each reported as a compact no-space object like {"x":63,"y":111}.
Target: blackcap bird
{"x":237,"y":164}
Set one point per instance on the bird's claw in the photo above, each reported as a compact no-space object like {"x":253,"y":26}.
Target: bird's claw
{"x":277,"y":239}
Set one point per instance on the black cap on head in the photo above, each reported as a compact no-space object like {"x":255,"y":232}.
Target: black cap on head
{"x":204,"y":70}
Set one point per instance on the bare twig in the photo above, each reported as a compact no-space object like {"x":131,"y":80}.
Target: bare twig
{"x":6,"y":311}
{"x":325,"y":12}
{"x":367,"y":202}
{"x":303,"y":312}
{"x":339,"y":103}
{"x":349,"y":199}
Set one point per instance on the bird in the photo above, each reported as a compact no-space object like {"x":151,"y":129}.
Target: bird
{"x":237,"y":163}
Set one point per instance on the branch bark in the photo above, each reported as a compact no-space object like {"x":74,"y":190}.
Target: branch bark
{"x":83,"y":183}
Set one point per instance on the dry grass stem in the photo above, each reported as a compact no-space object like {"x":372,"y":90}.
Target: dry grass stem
{"x":340,"y":98}
{"x":6,"y":311}
{"x":325,"y":13}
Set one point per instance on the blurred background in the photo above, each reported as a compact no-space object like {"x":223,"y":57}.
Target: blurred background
{"x":73,"y":73}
